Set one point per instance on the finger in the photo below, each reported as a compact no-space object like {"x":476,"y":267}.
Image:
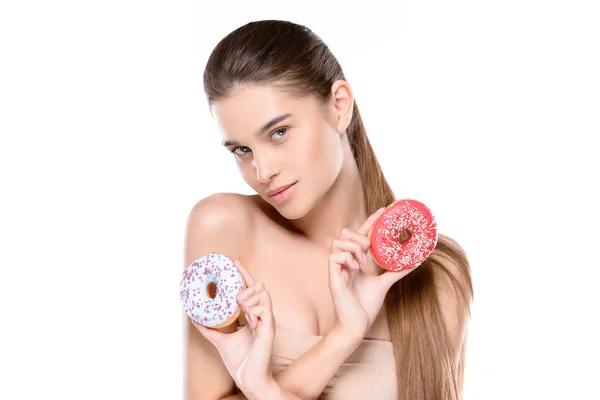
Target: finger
{"x":364,"y":229}
{"x":362,"y":240}
{"x":212,"y":335}
{"x":247,"y":316}
{"x":265,"y":301}
{"x":265,"y":330}
{"x":343,"y":259}
{"x":264,"y":315}
{"x":245,"y":294}
{"x":261,"y":297}
{"x":245,"y":274}
{"x":337,"y":263}
{"x":388,"y":278}
{"x":250,"y":291}
{"x":352,"y":247}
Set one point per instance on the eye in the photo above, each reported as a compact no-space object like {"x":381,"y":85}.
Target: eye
{"x":244,"y":149}
{"x":234,"y":150}
{"x":279,"y":130}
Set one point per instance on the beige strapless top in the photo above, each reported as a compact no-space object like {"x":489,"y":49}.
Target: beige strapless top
{"x":369,"y":372}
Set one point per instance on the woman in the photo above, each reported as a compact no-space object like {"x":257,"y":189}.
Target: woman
{"x":341,"y":327}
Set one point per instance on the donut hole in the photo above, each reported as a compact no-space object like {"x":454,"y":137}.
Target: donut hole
{"x":211,"y":290}
{"x":405,"y":234}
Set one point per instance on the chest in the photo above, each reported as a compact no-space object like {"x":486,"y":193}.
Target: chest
{"x":296,"y":276}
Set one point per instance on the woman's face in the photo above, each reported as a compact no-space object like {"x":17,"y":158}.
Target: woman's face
{"x":277,"y":140}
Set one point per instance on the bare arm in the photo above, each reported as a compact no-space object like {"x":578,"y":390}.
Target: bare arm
{"x":299,"y":379}
{"x":326,"y":357}
{"x":328,"y":354}
{"x":211,"y":225}
{"x":276,"y":393}
{"x":205,"y":374}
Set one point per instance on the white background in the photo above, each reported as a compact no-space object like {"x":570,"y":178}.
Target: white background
{"x":486,"y":111}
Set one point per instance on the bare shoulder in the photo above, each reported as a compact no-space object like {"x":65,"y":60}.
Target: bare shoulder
{"x":218,"y":222}
{"x":215,"y":210}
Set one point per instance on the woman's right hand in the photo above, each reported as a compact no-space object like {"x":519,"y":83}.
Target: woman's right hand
{"x":247,"y":352}
{"x":356,"y":293}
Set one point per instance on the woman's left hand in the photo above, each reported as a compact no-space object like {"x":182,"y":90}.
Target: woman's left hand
{"x":247,"y":352}
{"x":357,"y":292}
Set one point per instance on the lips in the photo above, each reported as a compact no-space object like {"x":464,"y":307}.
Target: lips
{"x":283,"y":195}
{"x":279,"y":190}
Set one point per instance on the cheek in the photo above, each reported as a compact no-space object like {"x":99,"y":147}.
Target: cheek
{"x":248,"y":173}
{"x":323,"y":154}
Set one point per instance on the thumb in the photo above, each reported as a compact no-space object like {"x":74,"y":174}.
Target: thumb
{"x":388,"y":278}
{"x":212,"y":335}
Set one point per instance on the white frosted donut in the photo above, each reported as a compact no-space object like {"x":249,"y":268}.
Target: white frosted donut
{"x":211,"y":274}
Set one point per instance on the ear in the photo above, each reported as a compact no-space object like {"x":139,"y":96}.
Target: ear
{"x":343,"y":102}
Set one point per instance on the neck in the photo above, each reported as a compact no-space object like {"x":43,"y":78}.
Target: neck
{"x":342,"y":207}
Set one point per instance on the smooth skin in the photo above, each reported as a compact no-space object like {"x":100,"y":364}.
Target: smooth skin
{"x":247,"y":352}
{"x":301,"y":251}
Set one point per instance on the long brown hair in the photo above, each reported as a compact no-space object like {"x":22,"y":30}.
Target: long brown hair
{"x":292,"y":57}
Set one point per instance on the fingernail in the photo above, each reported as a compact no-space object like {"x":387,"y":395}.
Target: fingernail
{"x":381,"y":209}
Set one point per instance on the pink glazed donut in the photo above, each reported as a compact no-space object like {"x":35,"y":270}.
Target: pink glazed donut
{"x":394,"y":254}
{"x":209,"y":289}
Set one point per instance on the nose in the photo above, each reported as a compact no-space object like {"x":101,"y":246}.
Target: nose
{"x":265,"y":168}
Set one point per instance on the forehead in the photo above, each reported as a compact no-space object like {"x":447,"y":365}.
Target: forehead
{"x":249,"y":108}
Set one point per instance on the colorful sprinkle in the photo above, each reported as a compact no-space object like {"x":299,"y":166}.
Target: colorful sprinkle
{"x":404,"y":214}
{"x":206,"y":269}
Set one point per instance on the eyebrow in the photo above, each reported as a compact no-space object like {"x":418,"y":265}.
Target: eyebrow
{"x":267,"y":126}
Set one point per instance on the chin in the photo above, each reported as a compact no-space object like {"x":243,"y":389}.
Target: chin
{"x":291,"y":213}
{"x":290,"y":210}
{"x":297,"y":208}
